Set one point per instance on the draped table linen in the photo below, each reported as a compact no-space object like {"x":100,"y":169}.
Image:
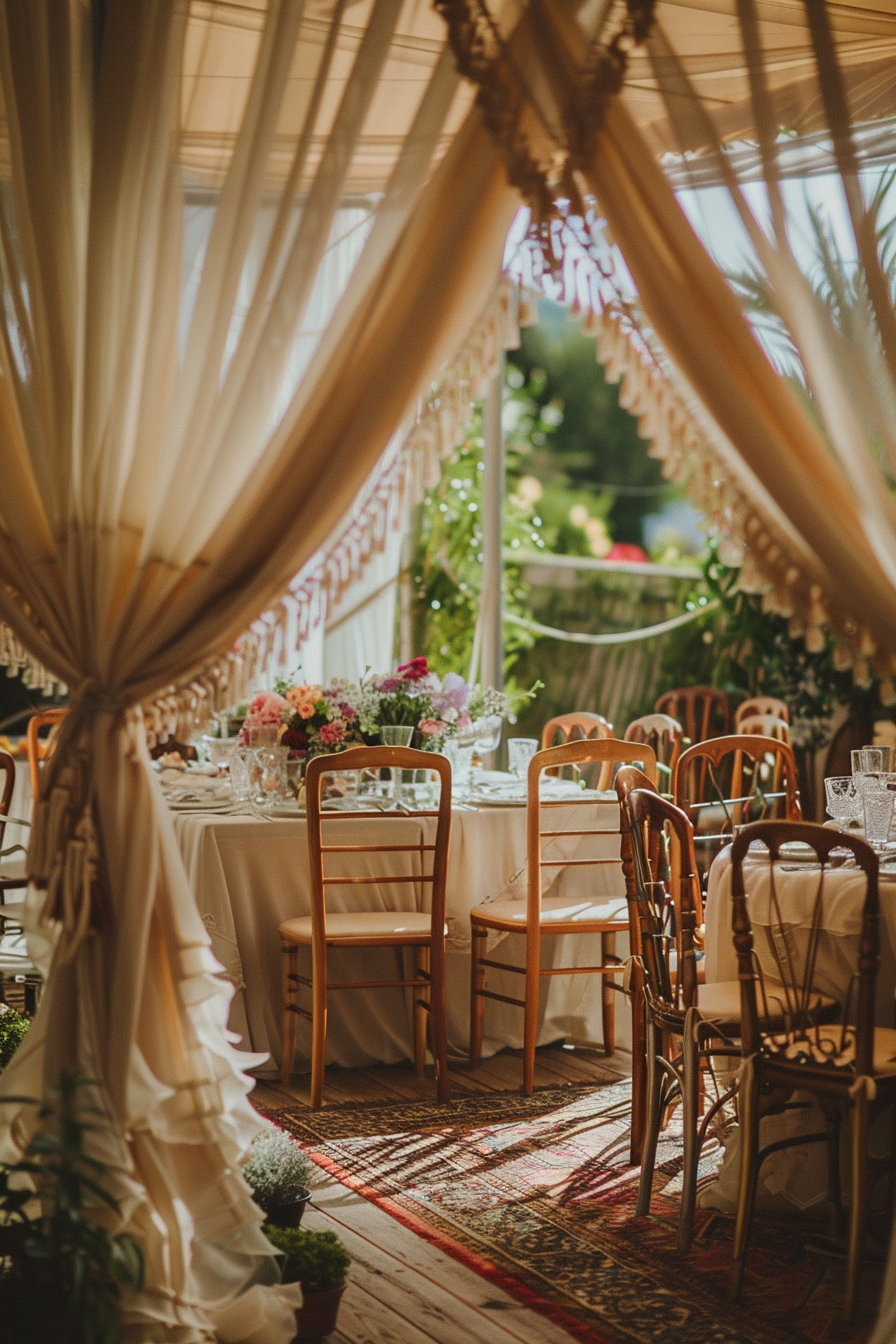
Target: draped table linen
{"x":249,"y":874}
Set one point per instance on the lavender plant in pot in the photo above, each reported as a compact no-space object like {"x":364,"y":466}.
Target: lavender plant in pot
{"x":319,"y":1262}
{"x":279,"y":1172}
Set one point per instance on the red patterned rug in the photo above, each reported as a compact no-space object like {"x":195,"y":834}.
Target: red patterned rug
{"x":535,"y":1193}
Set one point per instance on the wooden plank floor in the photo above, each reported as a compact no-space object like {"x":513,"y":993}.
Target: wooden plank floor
{"x":401,"y":1289}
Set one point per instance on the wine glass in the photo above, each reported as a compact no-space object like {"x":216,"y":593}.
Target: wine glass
{"x":842,"y":798}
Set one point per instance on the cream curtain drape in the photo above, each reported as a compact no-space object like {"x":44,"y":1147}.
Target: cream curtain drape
{"x":176,"y":438}
{"x":607,"y":100}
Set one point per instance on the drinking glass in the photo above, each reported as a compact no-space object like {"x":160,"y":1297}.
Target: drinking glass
{"x":240,"y":783}
{"x":461,"y":757}
{"x":871,"y":760}
{"x":219,"y":751}
{"x":269,"y":774}
{"x":843,"y":797}
{"x":520,"y":751}
{"x":878,"y":805}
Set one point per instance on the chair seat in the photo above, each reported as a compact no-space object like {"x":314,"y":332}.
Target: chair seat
{"x":386,"y":926}
{"x":884,"y":1059}
{"x":511,"y":914}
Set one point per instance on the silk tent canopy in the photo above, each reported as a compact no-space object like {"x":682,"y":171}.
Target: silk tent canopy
{"x":183,"y":421}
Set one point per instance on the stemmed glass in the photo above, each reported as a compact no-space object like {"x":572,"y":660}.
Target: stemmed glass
{"x":843,"y":798}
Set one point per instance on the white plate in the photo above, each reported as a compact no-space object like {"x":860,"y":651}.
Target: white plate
{"x":199,"y":805}
{"x":284,"y":810}
{"x":484,"y":800}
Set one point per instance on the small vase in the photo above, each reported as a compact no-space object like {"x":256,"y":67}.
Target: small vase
{"x":316,"y":1316}
{"x":397,"y":735}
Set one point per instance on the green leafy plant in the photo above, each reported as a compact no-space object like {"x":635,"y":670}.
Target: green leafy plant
{"x":316,"y":1260}
{"x":13,"y":1028}
{"x":277,"y":1169}
{"x":63,"y":1267}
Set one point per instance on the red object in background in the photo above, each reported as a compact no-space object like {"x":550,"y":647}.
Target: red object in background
{"x":628,"y":551}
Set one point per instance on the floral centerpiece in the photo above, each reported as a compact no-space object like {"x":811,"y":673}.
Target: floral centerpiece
{"x":313,"y":719}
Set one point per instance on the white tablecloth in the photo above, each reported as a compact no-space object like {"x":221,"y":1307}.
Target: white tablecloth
{"x":798,"y":1176}
{"x":248,"y":874}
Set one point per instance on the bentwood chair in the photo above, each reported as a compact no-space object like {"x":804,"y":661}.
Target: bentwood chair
{"x":580,"y":725}
{"x":664,"y":734}
{"x":550,"y":912}
{"x":760,"y":704}
{"x":40,"y":749}
{"x":727,"y":781}
{"x":764,"y":725}
{"x":400,"y":854}
{"x":629,"y":777}
{"x":703,"y":1019}
{"x":850,"y":1068}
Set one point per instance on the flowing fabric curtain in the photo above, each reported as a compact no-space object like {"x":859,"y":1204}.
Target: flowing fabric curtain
{"x":624,"y":102}
{"x":175,"y":440}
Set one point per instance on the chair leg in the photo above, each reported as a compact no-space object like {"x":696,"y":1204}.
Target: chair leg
{"x":438,"y":1020}
{"x":639,"y":1065}
{"x":653,"y":1110}
{"x":421,"y":964}
{"x":748,"y":1116}
{"x":690,"y":1095}
{"x":318,"y":1034}
{"x":477,"y":1002}
{"x":608,"y":994}
{"x":530,"y":1011}
{"x":859,"y":1190}
{"x":290,"y":996}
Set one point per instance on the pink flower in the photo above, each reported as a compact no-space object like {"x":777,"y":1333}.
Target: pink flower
{"x":306,"y":709}
{"x":331,"y":733}
{"x":388,"y":685}
{"x":430,"y":727}
{"x":414,"y":670}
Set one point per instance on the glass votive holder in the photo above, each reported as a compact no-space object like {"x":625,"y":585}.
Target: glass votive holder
{"x":843,"y":798}
{"x":520,"y":751}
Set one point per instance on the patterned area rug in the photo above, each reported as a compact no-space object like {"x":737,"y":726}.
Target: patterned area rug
{"x":535,"y":1193}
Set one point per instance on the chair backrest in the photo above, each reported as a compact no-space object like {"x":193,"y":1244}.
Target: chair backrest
{"x":610,"y":751}
{"x":661,"y":732}
{"x":429,"y":859}
{"x":760,"y":704}
{"x":581,"y":725}
{"x":629,"y":777}
{"x":662,"y":841}
{"x":38,"y":751}
{"x":727,"y":781}
{"x":764,"y":725}
{"x":703,"y":711}
{"x":796,"y":1042}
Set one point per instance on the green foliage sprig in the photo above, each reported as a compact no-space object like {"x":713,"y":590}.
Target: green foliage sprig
{"x":58,"y":1250}
{"x":13,"y":1029}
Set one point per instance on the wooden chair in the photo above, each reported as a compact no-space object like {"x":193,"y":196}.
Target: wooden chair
{"x":850,"y":1068}
{"x":732,"y":791}
{"x":764,"y":725}
{"x":760,"y":704}
{"x":580,"y":725}
{"x":703,"y":1019}
{"x":542,"y":915}
{"x":8,"y":881}
{"x":629,"y":777}
{"x":372,"y":926}
{"x":701,"y":710}
{"x":661,"y":732}
{"x":38,"y":750}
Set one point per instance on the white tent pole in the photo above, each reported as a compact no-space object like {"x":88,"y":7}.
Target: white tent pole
{"x":491,"y":606}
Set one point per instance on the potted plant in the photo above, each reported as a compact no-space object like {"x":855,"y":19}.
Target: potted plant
{"x":279,"y":1172}
{"x":63,"y":1272}
{"x":13,"y":1027}
{"x":319,"y":1262}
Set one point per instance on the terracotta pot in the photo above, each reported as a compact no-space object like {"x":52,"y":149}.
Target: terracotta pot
{"x":317,"y":1315}
{"x":288,"y":1213}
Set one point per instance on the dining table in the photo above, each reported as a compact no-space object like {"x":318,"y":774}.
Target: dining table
{"x":797,"y":1178}
{"x":248,"y":869}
